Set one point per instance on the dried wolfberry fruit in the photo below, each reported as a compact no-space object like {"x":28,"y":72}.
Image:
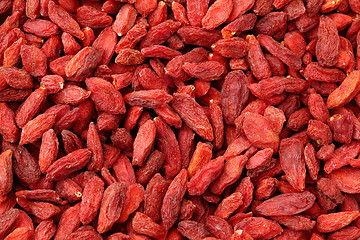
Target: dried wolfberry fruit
{"x":8,"y":129}
{"x":154,"y":193}
{"x":296,"y":222}
{"x":103,"y":93}
{"x":91,"y":17}
{"x":35,"y":128}
{"x":192,"y":230}
{"x":134,"y":196}
{"x":217,"y":14}
{"x":41,"y":27}
{"x":11,"y":76}
{"x":6,"y":174}
{"x":218,"y":227}
{"x":335,"y":221}
{"x":292,"y":162}
{"x":145,"y":225}
{"x":205,"y":176}
{"x":45,"y":230}
{"x":201,"y":156}
{"x":68,"y":223}
{"x":160,"y":33}
{"x":328,"y":42}
{"x":346,"y":179}
{"x":198,"y":36}
{"x":268,"y":230}
{"x":25,"y":166}
{"x":286,"y":204}
{"x":193,"y":115}
{"x":68,"y":164}
{"x":273,"y":24}
{"x":242,"y":23}
{"x":279,"y":51}
{"x":229,"y":205}
{"x":91,"y":199}
{"x":234,"y":95}
{"x":111,"y":206}
{"x":31,"y":106}
{"x":63,"y":19}
{"x":259,"y":132}
{"x":231,"y":173}
{"x":172,"y":200}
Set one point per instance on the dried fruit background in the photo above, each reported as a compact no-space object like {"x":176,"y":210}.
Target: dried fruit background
{"x":180,"y":119}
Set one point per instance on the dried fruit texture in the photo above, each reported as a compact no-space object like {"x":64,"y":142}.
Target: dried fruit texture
{"x":259,"y":131}
{"x":208,"y":87}
{"x":296,"y":222}
{"x":34,"y":60}
{"x":71,"y":94}
{"x":45,"y":230}
{"x":68,"y":223}
{"x":172,"y":200}
{"x":6,"y":174}
{"x":88,"y":16}
{"x":144,"y":142}
{"x":198,"y":36}
{"x":83,"y":63}
{"x":201,"y":156}
{"x":105,"y":96}
{"x":256,"y":59}
{"x":91,"y":200}
{"x":8,"y":129}
{"x":16,"y":78}
{"x":40,"y":27}
{"x":328,"y":42}
{"x":259,"y":227}
{"x":208,"y":71}
{"x":169,"y":145}
{"x":315,"y":72}
{"x":35,"y":128}
{"x":193,"y":115}
{"x":48,"y":150}
{"x":217,"y":14}
{"x":111,"y":206}
{"x":218,"y":227}
{"x":123,"y":170}
{"x":346,"y":178}
{"x":25,"y":166}
{"x":134,"y":196}
{"x":292,"y":162}
{"x":30,"y":107}
{"x":345,"y":92}
{"x":205,"y":176}
{"x":192,"y":229}
{"x":153,"y":197}
{"x":284,"y":54}
{"x":63,"y":19}
{"x":311,"y":161}
{"x":68,"y":164}
{"x":229,"y":205}
{"x":160,"y":33}
{"x":143,"y":224}
{"x":273,"y":24}
{"x":231,"y":173}
{"x":125,"y":19}
{"x":94,"y":145}
{"x":148,"y":98}
{"x":335,"y":221}
{"x":234,"y":95}
{"x":286,"y":204}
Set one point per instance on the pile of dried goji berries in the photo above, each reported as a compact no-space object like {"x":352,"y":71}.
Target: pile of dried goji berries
{"x":180,"y":119}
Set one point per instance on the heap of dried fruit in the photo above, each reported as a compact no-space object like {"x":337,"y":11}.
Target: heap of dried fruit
{"x":184,"y":119}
